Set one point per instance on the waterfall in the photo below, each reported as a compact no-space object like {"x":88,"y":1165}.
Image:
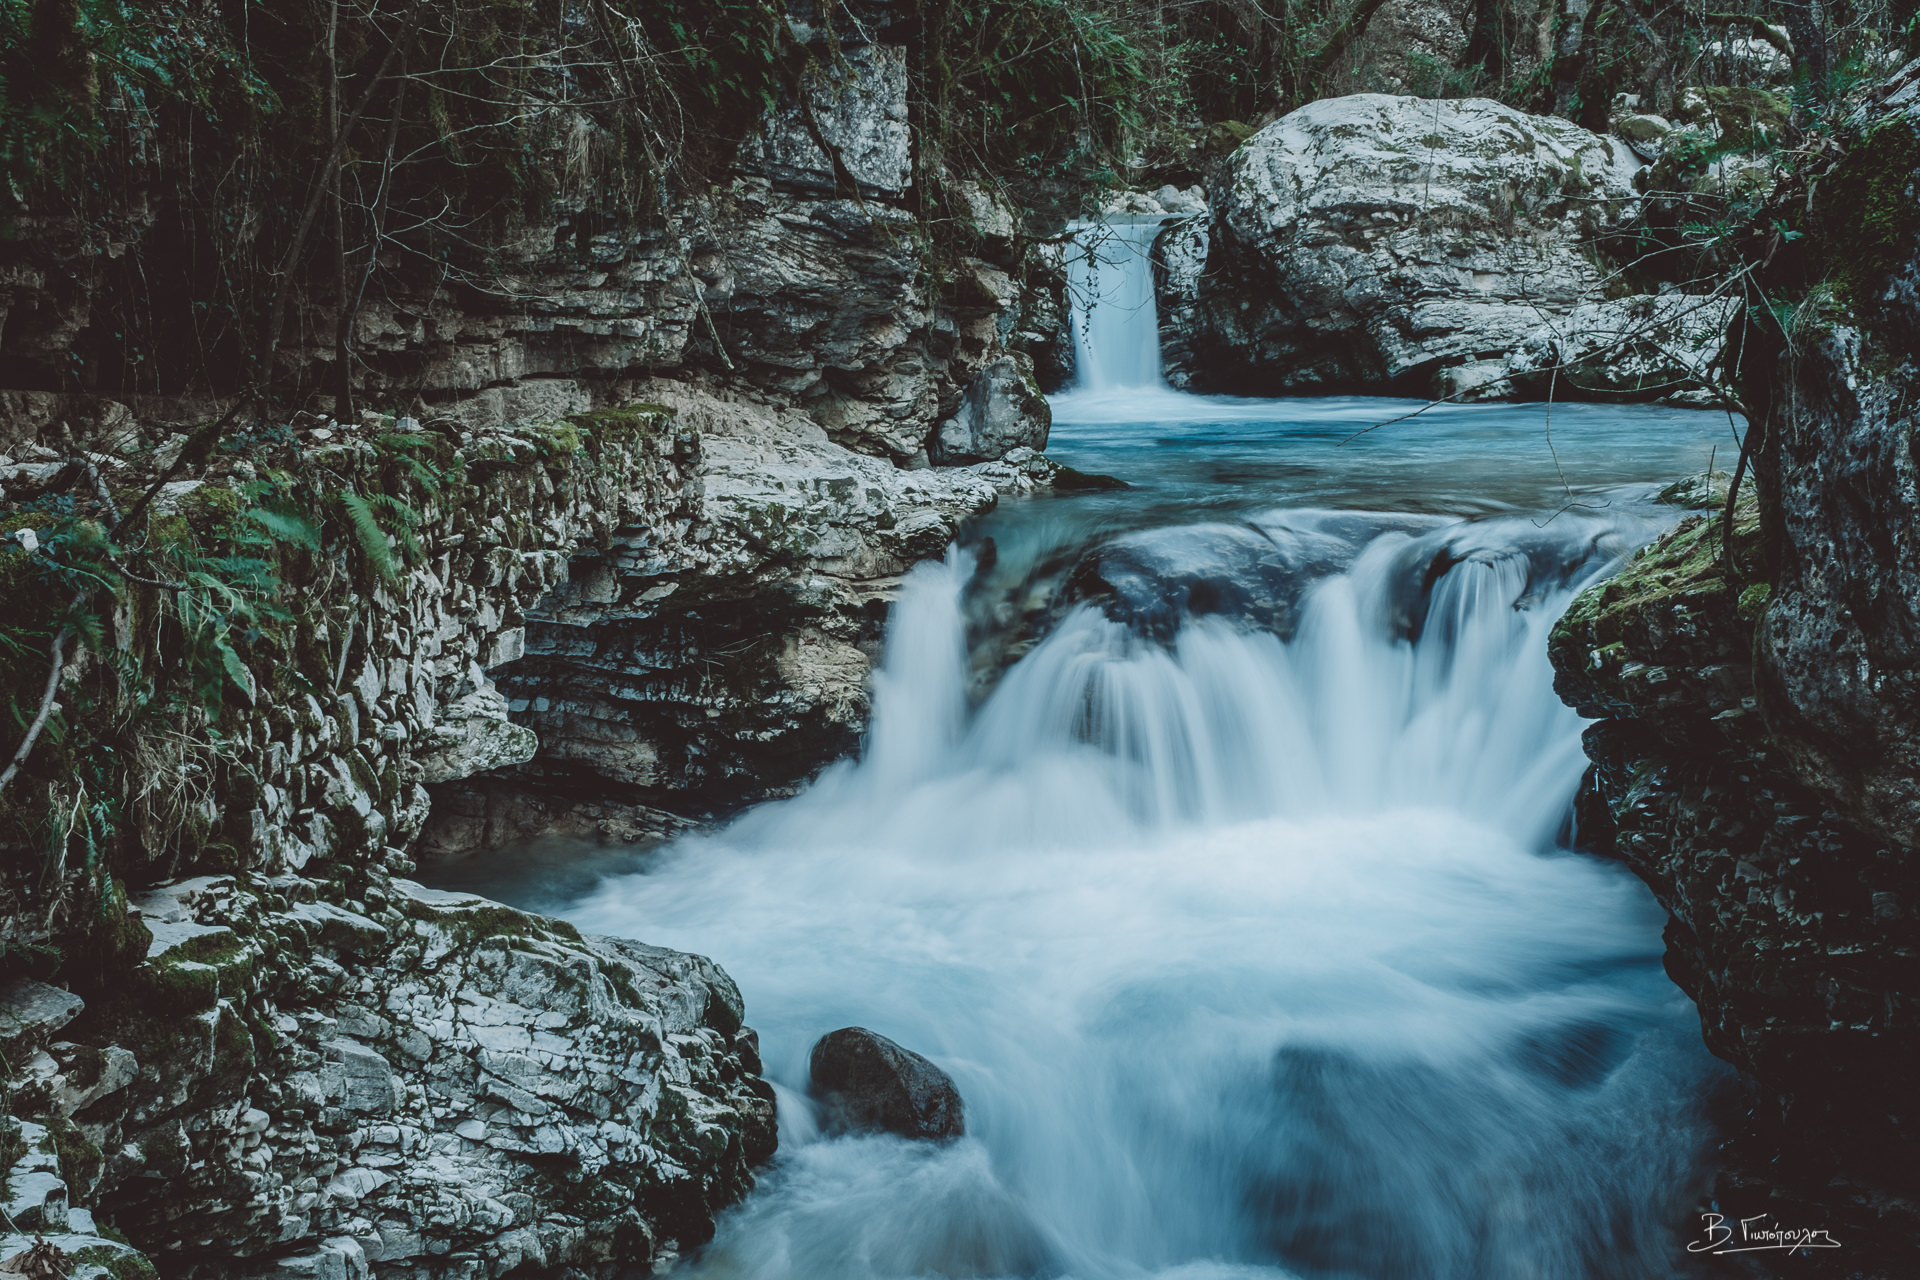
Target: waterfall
{"x":1116,"y":327}
{"x":1244,"y":934}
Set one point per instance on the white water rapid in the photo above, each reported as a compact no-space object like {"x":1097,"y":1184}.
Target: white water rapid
{"x":1218,"y":856}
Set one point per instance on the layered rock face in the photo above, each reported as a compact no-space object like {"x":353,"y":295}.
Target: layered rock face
{"x":631,"y":519}
{"x":686,"y":670}
{"x":1372,"y":241}
{"x":306,"y":1066}
{"x":1754,"y":761}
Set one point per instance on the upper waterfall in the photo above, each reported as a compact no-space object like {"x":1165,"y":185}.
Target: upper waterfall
{"x":1116,"y":322}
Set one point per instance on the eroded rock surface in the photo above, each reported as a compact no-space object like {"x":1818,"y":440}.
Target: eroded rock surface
{"x":1373,"y":241}
{"x":401,"y":1082}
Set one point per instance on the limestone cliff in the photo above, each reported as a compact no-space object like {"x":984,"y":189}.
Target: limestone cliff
{"x":581,"y":518}
{"x":1755,"y":687}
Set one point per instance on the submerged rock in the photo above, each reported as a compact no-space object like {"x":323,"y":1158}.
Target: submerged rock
{"x":866,"y":1081}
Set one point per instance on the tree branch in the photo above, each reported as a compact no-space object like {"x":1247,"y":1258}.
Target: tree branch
{"x":45,"y":712}
{"x":1757,"y":26}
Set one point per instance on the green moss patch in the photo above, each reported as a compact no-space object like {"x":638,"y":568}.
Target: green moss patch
{"x":1867,"y":208}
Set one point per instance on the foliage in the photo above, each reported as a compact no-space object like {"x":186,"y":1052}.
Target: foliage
{"x":1867,"y":209}
{"x":182,"y":617}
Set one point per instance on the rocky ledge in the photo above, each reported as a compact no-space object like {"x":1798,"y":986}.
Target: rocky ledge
{"x":304,"y":1081}
{"x":1756,"y":690}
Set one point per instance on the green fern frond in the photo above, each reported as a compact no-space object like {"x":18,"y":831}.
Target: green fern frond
{"x":372,"y":538}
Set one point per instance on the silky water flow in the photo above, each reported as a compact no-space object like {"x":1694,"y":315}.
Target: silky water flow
{"x":1225,"y":865}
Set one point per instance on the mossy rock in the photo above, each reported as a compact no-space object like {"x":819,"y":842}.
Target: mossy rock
{"x":121,"y":1264}
{"x":1867,"y":210}
{"x":80,"y":1160}
{"x":641,"y":420}
{"x":13,"y":1144}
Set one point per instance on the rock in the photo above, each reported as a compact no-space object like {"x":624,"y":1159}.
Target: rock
{"x":32,"y":1010}
{"x":1644,"y":133}
{"x":1372,"y":241}
{"x":1749,"y":59}
{"x":474,"y":734}
{"x":1757,"y":754}
{"x":1644,"y":347}
{"x":860,"y":108}
{"x":376,"y":1082}
{"x":866,"y":1081}
{"x":1179,"y":261}
{"x":1002,"y":410}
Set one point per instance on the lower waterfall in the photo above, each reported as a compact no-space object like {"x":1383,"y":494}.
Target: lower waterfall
{"x":1250,"y":955}
{"x":1216,"y":837}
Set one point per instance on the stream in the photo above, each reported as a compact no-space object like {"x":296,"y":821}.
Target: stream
{"x":1215,"y":835}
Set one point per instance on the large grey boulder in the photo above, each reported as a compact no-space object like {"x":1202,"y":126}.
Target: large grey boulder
{"x":866,"y":1081}
{"x":1641,"y":347}
{"x":1001,"y":411}
{"x":1373,"y":241}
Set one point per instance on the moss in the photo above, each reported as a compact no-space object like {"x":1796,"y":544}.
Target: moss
{"x":1748,"y":119}
{"x":233,"y":1054}
{"x":559,"y":441}
{"x":80,"y":1160}
{"x":13,"y":1145}
{"x":119,"y":1263}
{"x":641,"y":420}
{"x":170,"y":987}
{"x":210,"y":510}
{"x":1867,"y":213}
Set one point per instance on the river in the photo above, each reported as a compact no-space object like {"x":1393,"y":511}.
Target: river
{"x":1215,"y":835}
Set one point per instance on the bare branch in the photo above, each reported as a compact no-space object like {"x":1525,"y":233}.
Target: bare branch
{"x":45,"y":713}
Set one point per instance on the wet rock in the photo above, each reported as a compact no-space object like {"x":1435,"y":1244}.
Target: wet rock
{"x":866,"y":1081}
{"x":1154,"y":581}
{"x":1372,"y":241}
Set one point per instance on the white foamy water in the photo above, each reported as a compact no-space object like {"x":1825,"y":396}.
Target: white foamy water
{"x":1235,"y":906}
{"x":1249,"y":957}
{"x":1115,"y":321}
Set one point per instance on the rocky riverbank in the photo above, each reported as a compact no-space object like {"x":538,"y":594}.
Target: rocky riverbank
{"x":1754,"y":684}
{"x":603,"y":549}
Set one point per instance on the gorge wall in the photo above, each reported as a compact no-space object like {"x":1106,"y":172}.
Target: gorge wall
{"x":595,"y":541}
{"x":1754,"y":682}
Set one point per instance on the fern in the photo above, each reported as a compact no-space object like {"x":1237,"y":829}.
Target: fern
{"x":372,"y":538}
{"x":286,"y":526}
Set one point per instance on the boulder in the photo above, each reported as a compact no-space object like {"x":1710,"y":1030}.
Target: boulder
{"x":1645,"y":347}
{"x":865,"y":1081}
{"x":34,"y":1009}
{"x":1373,"y":241}
{"x":1001,"y":411}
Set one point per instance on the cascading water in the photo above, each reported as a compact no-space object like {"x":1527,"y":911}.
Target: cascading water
{"x":1211,"y":845}
{"x":1116,"y":328}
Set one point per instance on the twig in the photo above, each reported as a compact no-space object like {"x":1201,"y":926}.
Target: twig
{"x":39,"y":724}
{"x":1733,"y":496}
{"x":202,"y":438}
